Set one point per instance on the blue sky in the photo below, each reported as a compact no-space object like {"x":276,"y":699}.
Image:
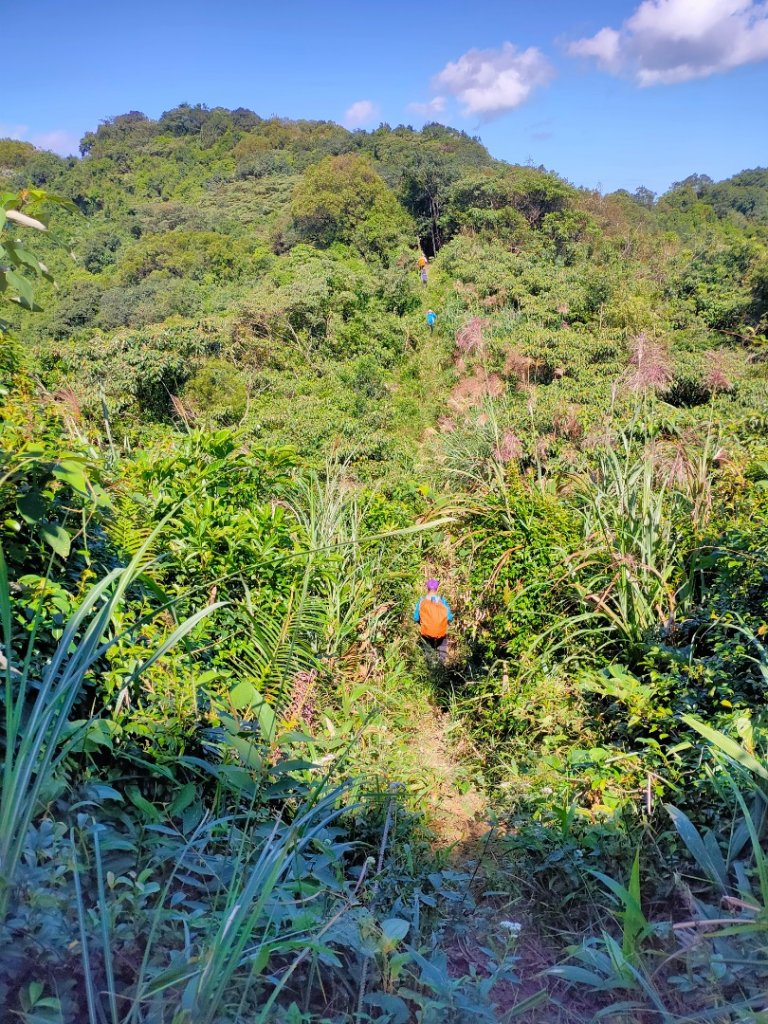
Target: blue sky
{"x":609,"y":94}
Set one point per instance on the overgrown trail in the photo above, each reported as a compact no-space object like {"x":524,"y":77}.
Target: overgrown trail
{"x":460,"y":816}
{"x":456,"y":808}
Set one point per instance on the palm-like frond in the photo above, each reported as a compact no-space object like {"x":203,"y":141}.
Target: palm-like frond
{"x":129,"y":528}
{"x":343,"y":567}
{"x":279,"y":646}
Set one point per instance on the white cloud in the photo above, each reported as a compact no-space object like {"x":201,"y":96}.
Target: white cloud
{"x":360,"y":113}
{"x":434,"y":106}
{"x":13,"y":131}
{"x":492,"y":82}
{"x":669,"y":41}
{"x":59,"y":140}
{"x":604,"y":47}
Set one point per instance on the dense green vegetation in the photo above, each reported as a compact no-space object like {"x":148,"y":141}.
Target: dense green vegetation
{"x":231,"y":451}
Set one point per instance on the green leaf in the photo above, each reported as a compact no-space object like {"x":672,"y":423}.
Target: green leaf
{"x":579,"y":976}
{"x":63,"y":201}
{"x":169,"y":977}
{"x":71,"y":472}
{"x":394,"y":930}
{"x":88,"y":735}
{"x":244,"y":695}
{"x":31,"y":507}
{"x":22,"y":286}
{"x":395,"y":1008}
{"x":531,"y":1003}
{"x":710,"y":862}
{"x":56,"y":537}
{"x":431,"y":974}
{"x":635,"y":924}
{"x":246,"y":749}
{"x":149,"y":810}
{"x":183,"y":799}
{"x":634,"y":920}
{"x":101,"y":791}
{"x":230,"y":775}
{"x":18,"y":254}
{"x":296,"y":764}
{"x":295,"y":736}
{"x":154,"y":588}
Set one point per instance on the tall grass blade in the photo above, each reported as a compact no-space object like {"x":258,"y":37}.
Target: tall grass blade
{"x":709,"y":858}
{"x":729,"y":746}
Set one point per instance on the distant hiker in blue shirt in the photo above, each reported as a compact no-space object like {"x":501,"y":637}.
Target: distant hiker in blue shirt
{"x":431,"y":318}
{"x":433,"y":615}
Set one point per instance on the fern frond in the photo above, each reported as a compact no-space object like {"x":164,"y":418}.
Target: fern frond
{"x":129,"y":527}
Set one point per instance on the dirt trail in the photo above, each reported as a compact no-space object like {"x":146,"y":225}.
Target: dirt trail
{"x":458,"y":813}
{"x":457,"y":809}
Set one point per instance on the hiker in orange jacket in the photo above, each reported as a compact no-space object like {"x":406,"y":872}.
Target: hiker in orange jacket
{"x":433,"y":614}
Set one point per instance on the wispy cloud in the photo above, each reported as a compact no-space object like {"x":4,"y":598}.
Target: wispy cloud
{"x":489,"y":83}
{"x":668,"y":41}
{"x":433,"y":106}
{"x":59,"y":140}
{"x":361,"y":113}
{"x":13,"y":131}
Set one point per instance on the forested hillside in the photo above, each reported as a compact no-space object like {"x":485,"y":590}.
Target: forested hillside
{"x":233,"y":449}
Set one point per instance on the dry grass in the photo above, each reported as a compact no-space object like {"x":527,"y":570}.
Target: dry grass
{"x":649,"y":365}
{"x":473,"y":391}
{"x":469,"y":338}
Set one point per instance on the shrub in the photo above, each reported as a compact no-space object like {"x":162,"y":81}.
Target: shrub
{"x":343,"y":199}
{"x":686,"y":392}
{"x":99,"y":251}
{"x":217,"y":392}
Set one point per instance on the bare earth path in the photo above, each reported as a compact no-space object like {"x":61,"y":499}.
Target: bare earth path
{"x":459,"y":815}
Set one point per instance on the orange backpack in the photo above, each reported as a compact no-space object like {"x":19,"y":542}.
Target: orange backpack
{"x":433,"y":618}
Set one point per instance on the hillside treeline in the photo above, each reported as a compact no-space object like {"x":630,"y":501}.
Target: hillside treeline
{"x":232,"y":450}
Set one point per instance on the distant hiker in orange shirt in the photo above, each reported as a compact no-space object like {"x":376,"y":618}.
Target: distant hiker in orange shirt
{"x":423,"y":261}
{"x":433,"y":614}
